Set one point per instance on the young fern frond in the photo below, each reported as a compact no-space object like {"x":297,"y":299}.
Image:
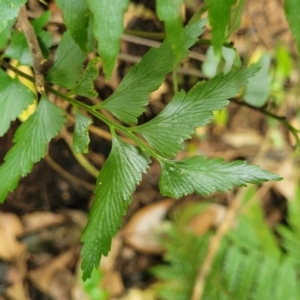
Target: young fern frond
{"x":162,"y":138}
{"x":291,"y":234}
{"x":244,"y":268}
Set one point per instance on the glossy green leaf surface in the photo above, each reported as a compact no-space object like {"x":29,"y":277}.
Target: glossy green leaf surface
{"x":84,"y":86}
{"x":205,"y":176}
{"x":31,"y":140}
{"x":81,"y":137}
{"x":9,"y":10}
{"x":108,"y":29}
{"x":128,"y":101}
{"x":190,"y":36}
{"x":14,"y":98}
{"x":76,"y":17}
{"x":115,"y":184}
{"x":185,"y":112}
{"x":67,"y":63}
{"x":170,"y":12}
{"x":219,"y":17}
{"x":292,"y":13}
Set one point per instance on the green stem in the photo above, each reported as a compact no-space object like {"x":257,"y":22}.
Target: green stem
{"x":129,"y":131}
{"x":92,"y":110}
{"x":112,"y":125}
{"x":8,"y":66}
{"x":261,"y":110}
{"x":280,"y":119}
{"x":174,"y":79}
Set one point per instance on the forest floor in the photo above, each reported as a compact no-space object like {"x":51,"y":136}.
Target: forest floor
{"x":42,"y":220}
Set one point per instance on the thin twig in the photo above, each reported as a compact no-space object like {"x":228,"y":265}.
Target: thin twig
{"x":79,"y":156}
{"x":259,"y":194}
{"x":161,"y":36}
{"x":67,"y":175}
{"x":93,"y":129}
{"x":183,"y":71}
{"x":155,"y":44}
{"x":155,"y":36}
{"x":213,"y":248}
{"x":40,"y":65}
{"x":294,"y":131}
{"x":140,"y":41}
{"x":259,"y":109}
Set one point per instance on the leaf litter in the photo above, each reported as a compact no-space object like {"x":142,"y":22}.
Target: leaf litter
{"x":44,"y":247}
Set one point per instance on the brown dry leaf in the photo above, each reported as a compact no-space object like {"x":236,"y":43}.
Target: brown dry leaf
{"x":136,"y":294}
{"x":12,"y":275}
{"x":17,"y":291}
{"x":38,"y":220}
{"x":210,"y":217}
{"x":14,"y":278}
{"x":61,"y":284}
{"x":244,"y":138}
{"x":113,"y":283}
{"x":76,"y":216}
{"x":44,"y":276}
{"x":112,"y":280}
{"x":10,"y":228}
{"x":142,"y":231}
{"x":78,"y":293}
{"x":108,"y":262}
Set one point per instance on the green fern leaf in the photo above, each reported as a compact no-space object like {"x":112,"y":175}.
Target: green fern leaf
{"x":6,"y":34}
{"x":12,"y":104}
{"x":286,"y":285}
{"x":9,"y":10}
{"x":115,"y":184}
{"x":84,"y":86}
{"x":31,"y":141}
{"x":264,"y":279}
{"x":219,"y":17}
{"x":67,"y":63}
{"x":170,"y":12}
{"x":81,"y":137}
{"x":205,"y":176}
{"x":291,"y":234}
{"x":292,"y":11}
{"x":128,"y":101}
{"x":171,"y":127}
{"x":76,"y":17}
{"x":108,"y":28}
